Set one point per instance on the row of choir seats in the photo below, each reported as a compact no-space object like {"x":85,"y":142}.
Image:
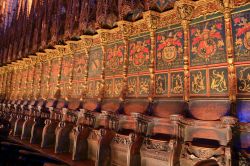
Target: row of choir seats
{"x":133,"y":132}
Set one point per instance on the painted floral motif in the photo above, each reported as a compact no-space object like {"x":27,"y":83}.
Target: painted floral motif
{"x":139,"y":54}
{"x":77,"y":89}
{"x":241,"y":34}
{"x":207,"y":42}
{"x":161,"y":84}
{"x":177,"y":83}
{"x":198,"y":82}
{"x":114,"y":59}
{"x":243,"y":79}
{"x":218,"y":80}
{"x":144,"y":85}
{"x":79,"y":66}
{"x":169,"y":47}
{"x":95,"y":63}
{"x":118,"y":86}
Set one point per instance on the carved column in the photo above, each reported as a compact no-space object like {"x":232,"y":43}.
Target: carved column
{"x":124,"y":27}
{"x":152,"y":20}
{"x":230,"y":51}
{"x":87,"y":43}
{"x":184,"y":10}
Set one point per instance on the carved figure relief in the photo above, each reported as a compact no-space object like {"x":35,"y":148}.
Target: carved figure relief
{"x":118,"y":86}
{"x":218,"y":80}
{"x":177,"y":83}
{"x":108,"y":87}
{"x":144,"y":85}
{"x":198,"y":82}
{"x":139,"y":54}
{"x":132,"y":83}
{"x":243,"y":79}
{"x":114,"y":59}
{"x":94,"y":88}
{"x":241,"y":35}
{"x":95,"y":63}
{"x":161,"y":84}
{"x":207,"y":42}
{"x":169,"y":46}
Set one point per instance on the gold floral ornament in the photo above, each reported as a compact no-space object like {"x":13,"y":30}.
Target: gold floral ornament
{"x":244,"y":80}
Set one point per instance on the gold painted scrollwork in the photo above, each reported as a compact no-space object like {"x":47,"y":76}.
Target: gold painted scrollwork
{"x":218,"y":81}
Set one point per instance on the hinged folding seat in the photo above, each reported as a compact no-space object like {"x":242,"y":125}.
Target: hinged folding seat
{"x":21,"y":113}
{"x":208,"y":132}
{"x":65,"y":126}
{"x":162,"y":145}
{"x":29,"y":120}
{"x":41,"y":113}
{"x":130,"y":128}
{"x":55,"y":111}
{"x":14,"y":113}
{"x":243,"y":134}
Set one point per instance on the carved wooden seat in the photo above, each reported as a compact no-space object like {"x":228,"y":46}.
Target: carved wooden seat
{"x":243,"y":140}
{"x":41,"y":113}
{"x":29,"y":120}
{"x":21,"y":113}
{"x":208,"y":132}
{"x":48,"y":136}
{"x":126,"y":144}
{"x":14,"y":113}
{"x":162,"y":146}
{"x":86,"y":131}
{"x":63,"y":142}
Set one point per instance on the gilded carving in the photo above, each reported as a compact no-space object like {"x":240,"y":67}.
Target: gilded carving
{"x":198,"y":82}
{"x":161,"y":84}
{"x":177,"y":83}
{"x":218,"y":80}
{"x":243,"y":79}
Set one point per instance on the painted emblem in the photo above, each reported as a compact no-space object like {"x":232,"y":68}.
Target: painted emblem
{"x":241,"y":34}
{"x":139,"y":53}
{"x":207,"y":43}
{"x":115,"y":57}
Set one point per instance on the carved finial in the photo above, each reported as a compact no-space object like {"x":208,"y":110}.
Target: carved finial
{"x":184,"y":9}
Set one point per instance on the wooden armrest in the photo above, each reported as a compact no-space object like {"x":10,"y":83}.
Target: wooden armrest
{"x":229,"y":121}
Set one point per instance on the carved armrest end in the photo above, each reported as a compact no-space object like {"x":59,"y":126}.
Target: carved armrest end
{"x":229,"y":121}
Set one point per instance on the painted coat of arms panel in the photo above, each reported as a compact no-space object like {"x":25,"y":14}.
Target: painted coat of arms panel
{"x":55,"y":70}
{"x":114,"y":59}
{"x":79,"y":66}
{"x":243,"y":79}
{"x":66,"y":68}
{"x":207,"y":42}
{"x":218,"y":81}
{"x":241,"y":36}
{"x":139,"y":54}
{"x":161,"y":84}
{"x":198,"y":81}
{"x":169,"y":49}
{"x":95,"y":63}
{"x":177,"y":83}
